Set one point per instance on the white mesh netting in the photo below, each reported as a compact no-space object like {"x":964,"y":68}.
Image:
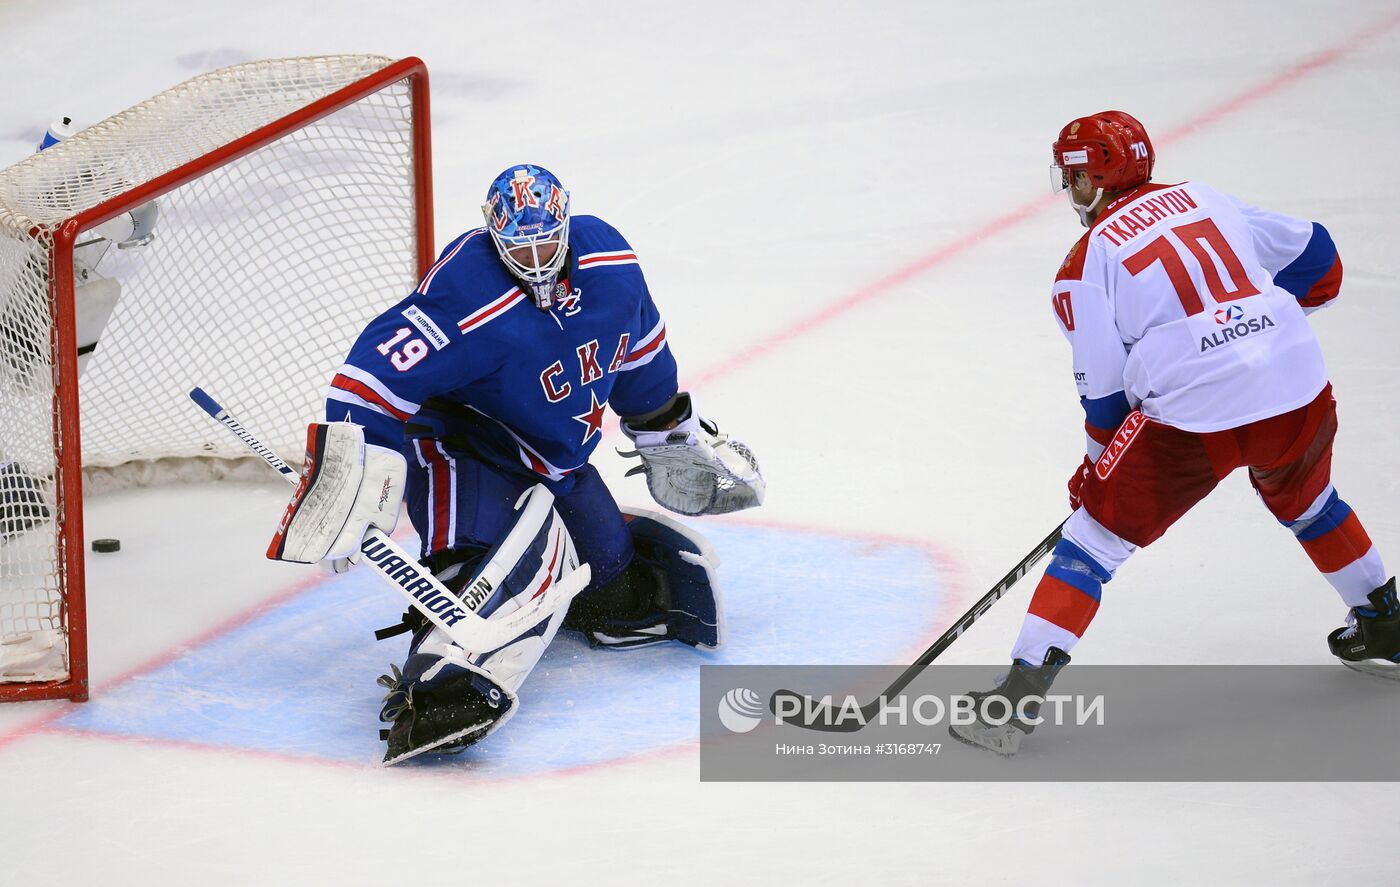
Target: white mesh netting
{"x":259,"y":275}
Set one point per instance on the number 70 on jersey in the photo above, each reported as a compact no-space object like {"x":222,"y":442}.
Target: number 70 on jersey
{"x":1201,"y":239}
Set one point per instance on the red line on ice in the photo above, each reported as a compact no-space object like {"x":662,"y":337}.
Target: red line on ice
{"x":947,"y":568}
{"x":793,"y":330}
{"x":767,"y":344}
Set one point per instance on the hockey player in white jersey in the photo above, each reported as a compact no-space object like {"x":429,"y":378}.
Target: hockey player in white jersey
{"x":1185,"y":309}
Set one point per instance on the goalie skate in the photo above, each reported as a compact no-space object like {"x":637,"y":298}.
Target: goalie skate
{"x":442,"y":720}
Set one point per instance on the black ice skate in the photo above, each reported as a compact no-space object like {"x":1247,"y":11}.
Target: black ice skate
{"x":444,"y":717}
{"x":1020,"y":682}
{"x":21,"y":504}
{"x":1370,"y":641}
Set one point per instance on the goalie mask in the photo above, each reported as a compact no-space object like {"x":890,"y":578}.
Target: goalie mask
{"x":527,"y":213}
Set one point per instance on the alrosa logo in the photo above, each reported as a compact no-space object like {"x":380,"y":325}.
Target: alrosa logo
{"x":1225,"y":315}
{"x":1227,"y":334}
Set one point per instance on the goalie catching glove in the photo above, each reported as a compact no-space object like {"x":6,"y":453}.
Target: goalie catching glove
{"x":691,"y":468}
{"x":346,"y":487}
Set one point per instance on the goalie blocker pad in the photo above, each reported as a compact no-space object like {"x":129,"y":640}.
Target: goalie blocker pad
{"x":346,"y":487}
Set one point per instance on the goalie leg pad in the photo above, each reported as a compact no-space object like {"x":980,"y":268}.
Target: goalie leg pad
{"x":445,"y":698}
{"x":668,"y":592}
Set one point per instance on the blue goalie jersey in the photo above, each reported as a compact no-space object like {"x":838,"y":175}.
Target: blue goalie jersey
{"x":468,"y":356}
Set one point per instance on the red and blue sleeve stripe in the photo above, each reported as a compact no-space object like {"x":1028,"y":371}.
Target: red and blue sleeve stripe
{"x":1103,"y":415}
{"x":1315,"y":277}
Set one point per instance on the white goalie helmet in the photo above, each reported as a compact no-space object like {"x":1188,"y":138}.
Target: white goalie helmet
{"x":527,"y":213}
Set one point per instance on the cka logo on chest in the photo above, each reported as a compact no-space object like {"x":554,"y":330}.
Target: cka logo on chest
{"x":590,"y":369}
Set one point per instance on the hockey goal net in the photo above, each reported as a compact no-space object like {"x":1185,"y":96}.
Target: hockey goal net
{"x":292,"y":202}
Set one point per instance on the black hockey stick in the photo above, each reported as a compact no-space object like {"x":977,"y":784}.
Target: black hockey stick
{"x":810,"y":717}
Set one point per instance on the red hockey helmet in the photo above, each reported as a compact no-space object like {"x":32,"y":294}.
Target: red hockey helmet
{"x":1111,"y":146}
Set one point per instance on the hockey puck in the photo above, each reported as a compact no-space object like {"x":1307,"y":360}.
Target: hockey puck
{"x":106,"y":545}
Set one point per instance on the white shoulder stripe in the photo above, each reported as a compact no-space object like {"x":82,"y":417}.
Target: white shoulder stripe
{"x":615,"y":257}
{"x":640,"y":361}
{"x":650,"y":337}
{"x":491,"y":310}
{"x":342,"y":396}
{"x":432,"y":272}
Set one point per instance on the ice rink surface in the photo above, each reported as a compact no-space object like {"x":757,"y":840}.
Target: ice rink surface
{"x":842,"y":211}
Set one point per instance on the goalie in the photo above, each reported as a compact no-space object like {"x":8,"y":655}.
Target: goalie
{"x":490,"y":380}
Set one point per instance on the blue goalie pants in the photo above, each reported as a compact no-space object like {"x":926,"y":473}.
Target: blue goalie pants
{"x":458,"y":501}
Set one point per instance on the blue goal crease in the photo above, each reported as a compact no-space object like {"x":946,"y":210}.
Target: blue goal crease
{"x":299,"y":679}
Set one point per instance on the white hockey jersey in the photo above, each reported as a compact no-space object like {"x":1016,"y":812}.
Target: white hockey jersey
{"x":1189,"y":305}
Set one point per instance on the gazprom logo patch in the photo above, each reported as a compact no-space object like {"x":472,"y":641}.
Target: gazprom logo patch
{"x":431,"y":331}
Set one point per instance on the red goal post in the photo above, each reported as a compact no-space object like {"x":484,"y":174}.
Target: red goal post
{"x":293,"y":201}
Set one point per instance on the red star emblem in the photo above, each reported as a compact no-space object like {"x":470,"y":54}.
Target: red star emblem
{"x":593,"y":419}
